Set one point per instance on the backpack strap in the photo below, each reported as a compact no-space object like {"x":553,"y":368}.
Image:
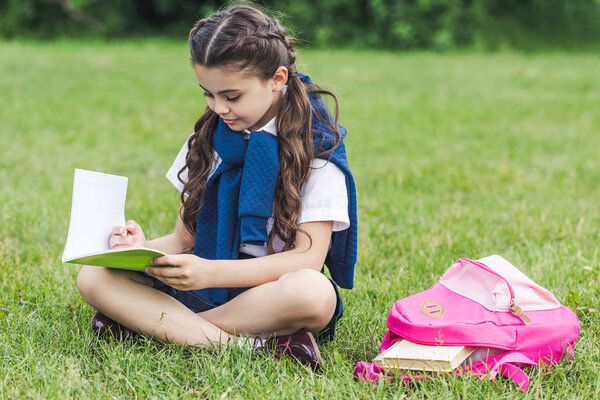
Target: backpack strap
{"x":505,"y":367}
{"x":369,"y":372}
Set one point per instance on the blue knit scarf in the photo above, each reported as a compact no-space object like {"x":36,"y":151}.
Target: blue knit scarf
{"x":239,"y":197}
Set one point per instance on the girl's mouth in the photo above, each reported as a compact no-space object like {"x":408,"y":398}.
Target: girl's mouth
{"x":229,"y":121}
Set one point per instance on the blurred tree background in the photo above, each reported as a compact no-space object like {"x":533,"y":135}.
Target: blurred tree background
{"x":389,"y":24}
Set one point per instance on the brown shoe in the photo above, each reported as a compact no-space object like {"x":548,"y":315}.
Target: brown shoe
{"x":103,"y":325}
{"x":301,"y":346}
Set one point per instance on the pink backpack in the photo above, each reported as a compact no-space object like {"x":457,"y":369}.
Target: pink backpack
{"x":490,"y":304}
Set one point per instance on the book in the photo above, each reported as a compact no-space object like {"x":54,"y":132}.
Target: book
{"x":413,"y":356}
{"x":481,"y":353}
{"x":97,"y":206}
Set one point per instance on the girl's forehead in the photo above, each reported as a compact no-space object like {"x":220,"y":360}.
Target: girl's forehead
{"x":224,"y":78}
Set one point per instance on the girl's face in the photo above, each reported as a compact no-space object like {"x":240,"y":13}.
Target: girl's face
{"x":242,"y":100}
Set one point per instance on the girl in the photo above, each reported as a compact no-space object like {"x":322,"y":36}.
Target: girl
{"x":266,"y":199}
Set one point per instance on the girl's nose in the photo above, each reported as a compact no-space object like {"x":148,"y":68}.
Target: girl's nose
{"x":221,"y":107}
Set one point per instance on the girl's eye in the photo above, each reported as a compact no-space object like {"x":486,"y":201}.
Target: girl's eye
{"x":206,"y":94}
{"x":233,"y":98}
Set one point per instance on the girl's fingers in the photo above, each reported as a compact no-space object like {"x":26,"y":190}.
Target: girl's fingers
{"x":159,"y":261}
{"x":117,"y":240}
{"x":118,"y":230}
{"x":118,"y":246}
{"x":160,"y":269}
{"x":164,"y":272}
{"x":133,"y":228}
{"x":172,"y":270}
{"x":166,"y":260}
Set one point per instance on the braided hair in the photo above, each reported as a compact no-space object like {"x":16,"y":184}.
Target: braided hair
{"x":245,"y":39}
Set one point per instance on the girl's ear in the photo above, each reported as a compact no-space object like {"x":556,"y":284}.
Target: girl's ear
{"x":280,"y":78}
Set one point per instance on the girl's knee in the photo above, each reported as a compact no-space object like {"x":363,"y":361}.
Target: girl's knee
{"x":92,"y":280}
{"x":312,"y":294}
{"x":89,"y":279}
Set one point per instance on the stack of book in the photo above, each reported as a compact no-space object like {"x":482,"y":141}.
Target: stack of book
{"x":408,"y":355}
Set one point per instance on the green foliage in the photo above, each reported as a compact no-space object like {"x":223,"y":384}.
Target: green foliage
{"x":442,"y":24}
{"x":453,"y":154}
{"x":391,"y":24}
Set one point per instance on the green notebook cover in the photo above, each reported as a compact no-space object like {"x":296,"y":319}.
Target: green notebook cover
{"x":135,"y":259}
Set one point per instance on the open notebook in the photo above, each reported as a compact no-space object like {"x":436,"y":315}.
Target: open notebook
{"x":98,"y":205}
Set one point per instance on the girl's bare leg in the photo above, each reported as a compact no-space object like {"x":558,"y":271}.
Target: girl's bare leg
{"x":127,"y":298}
{"x":303,"y":300}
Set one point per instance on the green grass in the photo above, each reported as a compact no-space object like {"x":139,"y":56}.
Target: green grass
{"x":454,"y":155}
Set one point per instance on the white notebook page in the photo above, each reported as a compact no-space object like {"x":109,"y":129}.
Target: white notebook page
{"x":98,"y":205}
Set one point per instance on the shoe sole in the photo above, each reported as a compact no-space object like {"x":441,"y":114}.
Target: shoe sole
{"x":318,"y":353}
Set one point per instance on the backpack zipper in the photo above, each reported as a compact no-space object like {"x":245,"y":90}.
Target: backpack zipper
{"x":513,"y":308}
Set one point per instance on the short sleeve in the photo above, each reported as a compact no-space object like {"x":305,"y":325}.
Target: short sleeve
{"x":179,"y":163}
{"x":324,"y":196}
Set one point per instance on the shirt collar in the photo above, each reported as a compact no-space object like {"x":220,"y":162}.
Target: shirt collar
{"x":269,"y":127}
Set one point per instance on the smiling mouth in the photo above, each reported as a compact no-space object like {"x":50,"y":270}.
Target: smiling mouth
{"x":229,"y":121}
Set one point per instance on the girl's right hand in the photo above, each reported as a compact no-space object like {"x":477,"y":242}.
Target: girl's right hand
{"x":127,"y":236}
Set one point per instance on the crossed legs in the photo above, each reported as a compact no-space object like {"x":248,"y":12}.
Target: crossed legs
{"x":302,"y":300}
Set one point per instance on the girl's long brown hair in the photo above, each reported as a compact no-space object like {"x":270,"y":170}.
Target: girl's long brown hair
{"x":245,"y":38}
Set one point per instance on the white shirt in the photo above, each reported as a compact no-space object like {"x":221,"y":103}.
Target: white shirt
{"x":324,"y":195}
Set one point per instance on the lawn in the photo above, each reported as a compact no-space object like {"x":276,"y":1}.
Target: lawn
{"x":454,"y":155}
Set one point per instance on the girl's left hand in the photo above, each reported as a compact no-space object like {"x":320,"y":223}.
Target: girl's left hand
{"x":187,"y":271}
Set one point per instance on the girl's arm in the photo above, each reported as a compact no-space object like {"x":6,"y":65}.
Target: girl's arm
{"x":256,"y":271}
{"x":193,"y":272}
{"x":178,"y":242}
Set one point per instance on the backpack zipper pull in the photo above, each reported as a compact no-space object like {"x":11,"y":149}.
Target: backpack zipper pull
{"x":516,"y":310}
